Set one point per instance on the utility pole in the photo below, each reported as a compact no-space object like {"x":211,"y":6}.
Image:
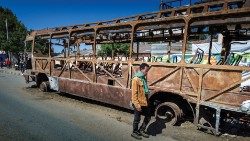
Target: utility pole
{"x":7,"y":31}
{"x":7,"y":36}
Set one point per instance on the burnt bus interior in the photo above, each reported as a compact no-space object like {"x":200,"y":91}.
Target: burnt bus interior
{"x":185,"y":79}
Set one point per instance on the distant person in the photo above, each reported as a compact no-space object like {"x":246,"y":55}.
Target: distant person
{"x":22,"y":66}
{"x":7,"y":62}
{"x":1,"y":62}
{"x":140,"y":103}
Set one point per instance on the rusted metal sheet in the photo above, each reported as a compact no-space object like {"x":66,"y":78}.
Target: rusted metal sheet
{"x":226,"y":98}
{"x":219,"y":79}
{"x":165,"y":77}
{"x":190,"y":80}
{"x":100,"y":92}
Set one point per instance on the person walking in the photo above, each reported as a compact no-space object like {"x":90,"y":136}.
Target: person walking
{"x":22,"y":68}
{"x":1,"y":62}
{"x":8,"y":63}
{"x":140,"y":102}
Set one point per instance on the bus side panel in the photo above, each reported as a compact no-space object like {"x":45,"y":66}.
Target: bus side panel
{"x":104,"y":93}
{"x":223,"y":87}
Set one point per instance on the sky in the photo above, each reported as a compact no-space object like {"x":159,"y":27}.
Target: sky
{"x":40,"y":14}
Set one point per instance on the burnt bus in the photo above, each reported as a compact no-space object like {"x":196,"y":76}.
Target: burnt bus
{"x":195,"y":55}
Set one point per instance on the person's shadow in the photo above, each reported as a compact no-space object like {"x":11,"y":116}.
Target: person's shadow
{"x":156,"y":127}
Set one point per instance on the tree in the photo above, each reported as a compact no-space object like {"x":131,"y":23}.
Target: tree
{"x":17,"y":32}
{"x":113,"y":49}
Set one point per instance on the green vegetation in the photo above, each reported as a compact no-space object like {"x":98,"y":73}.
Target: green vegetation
{"x":114,"y":49}
{"x":17,"y":32}
{"x":41,"y":47}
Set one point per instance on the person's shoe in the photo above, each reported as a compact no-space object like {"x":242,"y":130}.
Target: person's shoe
{"x":144,"y":134}
{"x":136,"y":135}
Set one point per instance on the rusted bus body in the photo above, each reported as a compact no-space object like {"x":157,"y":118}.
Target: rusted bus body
{"x":109,"y":80}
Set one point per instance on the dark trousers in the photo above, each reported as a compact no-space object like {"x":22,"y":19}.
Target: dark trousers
{"x":137,"y":118}
{"x":22,"y":67}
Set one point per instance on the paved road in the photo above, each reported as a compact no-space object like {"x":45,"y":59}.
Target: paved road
{"x":25,"y":116}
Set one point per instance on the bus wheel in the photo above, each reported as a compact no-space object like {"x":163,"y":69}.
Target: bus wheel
{"x":169,"y":112}
{"x":44,"y":86}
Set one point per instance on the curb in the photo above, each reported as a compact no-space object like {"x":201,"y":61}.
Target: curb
{"x":7,"y":71}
